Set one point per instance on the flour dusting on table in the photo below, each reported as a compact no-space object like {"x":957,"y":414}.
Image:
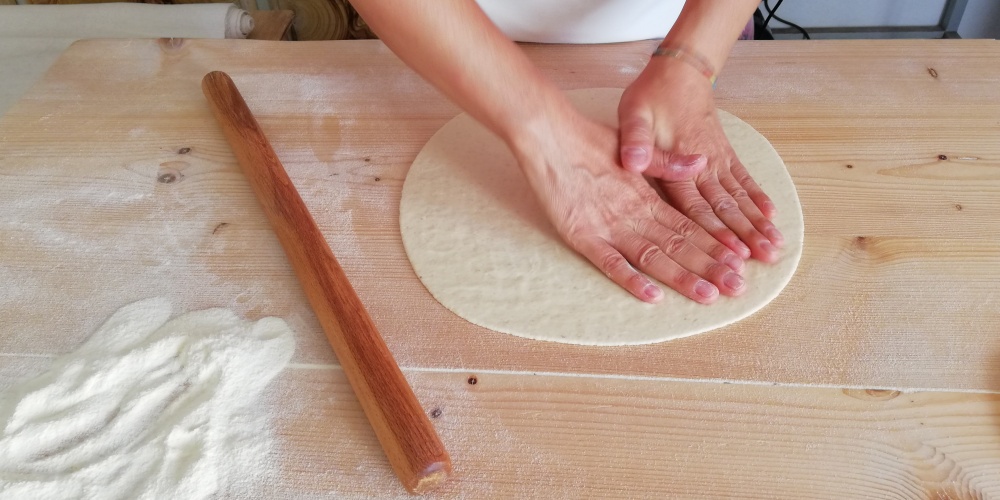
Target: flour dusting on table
{"x":147,"y":408}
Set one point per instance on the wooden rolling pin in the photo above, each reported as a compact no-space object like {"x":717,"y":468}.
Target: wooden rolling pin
{"x":407,"y":436}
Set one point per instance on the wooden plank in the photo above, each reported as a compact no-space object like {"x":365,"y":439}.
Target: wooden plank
{"x":117,"y":185}
{"x":544,"y":436}
{"x":529,"y":436}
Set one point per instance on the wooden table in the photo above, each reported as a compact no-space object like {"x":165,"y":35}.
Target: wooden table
{"x":874,"y":375}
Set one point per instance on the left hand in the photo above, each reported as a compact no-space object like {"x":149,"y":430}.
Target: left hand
{"x":614,"y":218}
{"x":667,"y":118}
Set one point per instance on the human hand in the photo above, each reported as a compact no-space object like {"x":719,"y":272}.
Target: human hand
{"x":616,"y":220}
{"x":668,"y":117}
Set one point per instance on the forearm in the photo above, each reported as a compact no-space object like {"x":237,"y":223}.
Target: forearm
{"x":458,"y":50}
{"x":711,"y":27}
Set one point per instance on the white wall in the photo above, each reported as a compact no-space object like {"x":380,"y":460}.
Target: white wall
{"x":981,"y":19}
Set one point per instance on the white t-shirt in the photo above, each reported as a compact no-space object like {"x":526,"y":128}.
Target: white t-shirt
{"x":582,"y":21}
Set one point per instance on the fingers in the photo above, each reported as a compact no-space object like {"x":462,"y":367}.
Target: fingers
{"x":763,"y":202}
{"x":728,"y":210}
{"x":670,"y":258}
{"x":651,"y":258}
{"x":697,"y":236}
{"x":750,"y":209}
{"x":675,"y":167}
{"x":680,"y":250}
{"x":686,"y":198}
{"x":611,"y":262}
{"x":636,"y":142}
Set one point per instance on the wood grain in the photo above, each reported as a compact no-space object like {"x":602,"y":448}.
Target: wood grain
{"x":516,"y":435}
{"x":271,"y":24}
{"x":116,"y":184}
{"x":896,"y":289}
{"x":406,"y":434}
{"x":317,"y":19}
{"x":530,"y":436}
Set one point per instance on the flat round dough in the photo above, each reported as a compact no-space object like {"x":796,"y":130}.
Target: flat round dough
{"x":483,"y":247}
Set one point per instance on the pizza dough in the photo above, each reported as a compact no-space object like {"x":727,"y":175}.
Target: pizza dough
{"x":483,"y":247}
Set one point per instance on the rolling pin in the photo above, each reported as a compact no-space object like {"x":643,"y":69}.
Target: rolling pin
{"x":404,"y":430}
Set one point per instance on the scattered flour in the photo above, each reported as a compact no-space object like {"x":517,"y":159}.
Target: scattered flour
{"x":147,"y":408}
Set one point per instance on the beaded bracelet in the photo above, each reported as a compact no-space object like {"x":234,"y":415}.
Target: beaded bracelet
{"x":689,"y":56}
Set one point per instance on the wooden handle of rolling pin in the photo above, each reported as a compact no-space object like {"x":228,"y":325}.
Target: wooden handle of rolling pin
{"x":406,"y":434}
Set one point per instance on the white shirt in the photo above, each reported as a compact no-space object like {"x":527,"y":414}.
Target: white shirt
{"x":582,"y":21}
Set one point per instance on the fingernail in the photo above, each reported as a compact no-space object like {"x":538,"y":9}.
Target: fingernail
{"x":688,"y":163}
{"x":743,"y":249}
{"x":767,"y":247}
{"x":706,"y":289}
{"x":735,"y":263}
{"x":692,"y":160}
{"x":769,"y":207}
{"x":634,"y":156}
{"x":652,"y":291}
{"x":774,"y":235}
{"x":734,"y":281}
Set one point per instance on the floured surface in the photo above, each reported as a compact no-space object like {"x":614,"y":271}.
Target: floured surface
{"x":147,"y":408}
{"x":596,"y":437}
{"x":896,"y":286}
{"x":480,"y":242}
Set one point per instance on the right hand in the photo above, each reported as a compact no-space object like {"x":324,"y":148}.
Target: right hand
{"x":668,"y":111}
{"x":617,"y":221}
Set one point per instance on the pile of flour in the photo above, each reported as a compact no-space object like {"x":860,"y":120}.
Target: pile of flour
{"x":147,"y":408}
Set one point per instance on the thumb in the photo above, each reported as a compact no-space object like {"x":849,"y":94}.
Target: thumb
{"x":674,"y":166}
{"x":636,"y":143}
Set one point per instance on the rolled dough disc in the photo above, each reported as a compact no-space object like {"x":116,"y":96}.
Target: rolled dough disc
{"x":481,"y":244}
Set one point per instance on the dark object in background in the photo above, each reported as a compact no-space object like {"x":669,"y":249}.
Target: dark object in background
{"x":760,"y":32}
{"x":773,"y":14}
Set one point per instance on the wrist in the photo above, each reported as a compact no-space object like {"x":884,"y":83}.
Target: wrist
{"x":538,"y":125}
{"x":683,"y":54}
{"x":675,"y":74}
{"x":711,"y":27}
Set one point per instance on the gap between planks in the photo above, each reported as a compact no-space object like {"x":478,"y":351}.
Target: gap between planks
{"x":647,"y":378}
{"x":606,"y":376}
